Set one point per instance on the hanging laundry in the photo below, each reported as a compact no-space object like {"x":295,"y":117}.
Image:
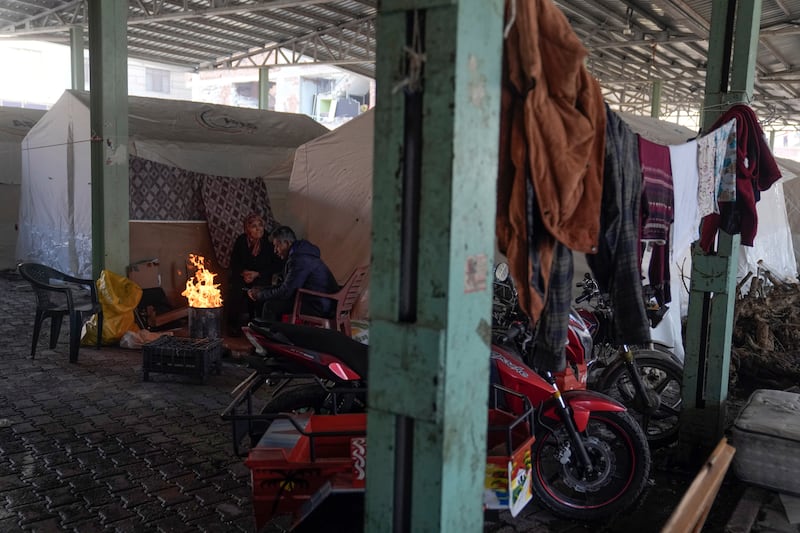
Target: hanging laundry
{"x":552,"y":135}
{"x":616,"y":266}
{"x":756,"y":170}
{"x":685,"y":177}
{"x":657,"y":214}
{"x":716,"y":164}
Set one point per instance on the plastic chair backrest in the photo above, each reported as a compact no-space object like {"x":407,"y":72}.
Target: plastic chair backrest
{"x":42,"y":278}
{"x":351,"y":290}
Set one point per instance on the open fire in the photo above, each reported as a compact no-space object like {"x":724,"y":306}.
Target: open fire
{"x":205,"y":301}
{"x":201,"y":291}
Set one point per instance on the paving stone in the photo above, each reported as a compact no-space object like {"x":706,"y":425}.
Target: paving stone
{"x":158,"y":459}
{"x":55,"y":459}
{"x":172,"y":496}
{"x":134,"y":497}
{"x":82,"y":482}
{"x":105,"y":468}
{"x":47,"y":481}
{"x":10,"y":482}
{"x":77,"y":447}
{"x":193,"y":511}
{"x":89,"y":526}
{"x":229,"y":512}
{"x":97,"y":497}
{"x":151,"y":512}
{"x":169,"y":524}
{"x":59,"y":496}
{"x":19,"y":497}
{"x":51,"y":525}
{"x":133,"y":524}
{"x":171,"y":470}
{"x":74,"y":512}
{"x":114,"y":512}
{"x":209,"y":496}
{"x":17,"y":460}
{"x":118,"y":483}
{"x":69,"y":470}
{"x":123,"y":459}
{"x":9,"y":524}
{"x":189,"y":482}
{"x":35,"y":512}
{"x":137,"y":471}
{"x":153,"y":484}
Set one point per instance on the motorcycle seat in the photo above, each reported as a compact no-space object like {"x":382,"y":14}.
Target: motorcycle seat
{"x":349,"y":351}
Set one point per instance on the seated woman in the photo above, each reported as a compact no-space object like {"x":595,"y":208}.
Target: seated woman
{"x":253,"y":264}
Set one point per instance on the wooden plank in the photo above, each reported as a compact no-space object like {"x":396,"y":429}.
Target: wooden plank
{"x":154,"y":320}
{"x":744,"y":516}
{"x":693,"y":509}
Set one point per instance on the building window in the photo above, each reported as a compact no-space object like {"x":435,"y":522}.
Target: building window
{"x":156,"y":80}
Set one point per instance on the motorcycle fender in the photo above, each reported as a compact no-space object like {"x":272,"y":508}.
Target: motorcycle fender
{"x":582,"y":403}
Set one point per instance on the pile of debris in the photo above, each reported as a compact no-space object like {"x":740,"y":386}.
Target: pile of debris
{"x":766,"y":333}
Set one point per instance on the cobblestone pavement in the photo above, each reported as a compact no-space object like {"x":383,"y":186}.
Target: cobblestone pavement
{"x":92,"y":447}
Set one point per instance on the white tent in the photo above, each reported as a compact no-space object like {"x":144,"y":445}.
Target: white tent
{"x":330,"y":196}
{"x":204,"y":139}
{"x":15,"y":123}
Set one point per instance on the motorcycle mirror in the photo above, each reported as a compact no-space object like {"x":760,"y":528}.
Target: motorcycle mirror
{"x":501,"y":272}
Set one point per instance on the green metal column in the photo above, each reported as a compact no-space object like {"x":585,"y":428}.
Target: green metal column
{"x":263,"y":88}
{"x":655,"y":99}
{"x":108,"y":60}
{"x":712,"y":297}
{"x":76,"y":57}
{"x":436,"y":136}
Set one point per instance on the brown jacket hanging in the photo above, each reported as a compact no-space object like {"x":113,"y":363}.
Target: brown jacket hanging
{"x":553,"y":130}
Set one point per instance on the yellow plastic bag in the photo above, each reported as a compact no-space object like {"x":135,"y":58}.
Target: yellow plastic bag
{"x":119,"y":296}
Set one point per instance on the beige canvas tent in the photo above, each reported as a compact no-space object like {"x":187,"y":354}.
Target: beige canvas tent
{"x":330,"y":196}
{"x":185,"y":159}
{"x":15,"y":123}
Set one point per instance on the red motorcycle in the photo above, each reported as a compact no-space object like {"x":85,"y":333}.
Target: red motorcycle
{"x":646,"y":379}
{"x":590,"y":457}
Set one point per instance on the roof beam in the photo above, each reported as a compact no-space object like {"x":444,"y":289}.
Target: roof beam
{"x":311,"y":45}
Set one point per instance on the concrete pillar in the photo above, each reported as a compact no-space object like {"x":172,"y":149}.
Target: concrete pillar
{"x":108,"y":59}
{"x":436,"y":136}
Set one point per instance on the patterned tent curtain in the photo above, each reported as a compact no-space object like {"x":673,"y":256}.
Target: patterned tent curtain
{"x":164,"y":192}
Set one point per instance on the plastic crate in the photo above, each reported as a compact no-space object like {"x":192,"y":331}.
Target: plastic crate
{"x":177,"y":355}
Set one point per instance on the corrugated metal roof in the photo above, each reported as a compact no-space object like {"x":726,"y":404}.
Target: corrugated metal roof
{"x":631,"y":43}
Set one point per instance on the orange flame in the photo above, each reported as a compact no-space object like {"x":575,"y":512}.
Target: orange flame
{"x":201,"y":290}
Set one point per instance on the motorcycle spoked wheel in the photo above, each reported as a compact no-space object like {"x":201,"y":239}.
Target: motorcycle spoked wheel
{"x":662,"y":374}
{"x":620,"y":459}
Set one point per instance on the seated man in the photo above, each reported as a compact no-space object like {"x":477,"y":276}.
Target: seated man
{"x":304,"y":269}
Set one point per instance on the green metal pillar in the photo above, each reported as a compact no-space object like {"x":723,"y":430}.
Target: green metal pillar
{"x":76,"y":57}
{"x":655,"y":99}
{"x":712,"y":297}
{"x":263,"y":88}
{"x":108,"y":59}
{"x":436,"y":136}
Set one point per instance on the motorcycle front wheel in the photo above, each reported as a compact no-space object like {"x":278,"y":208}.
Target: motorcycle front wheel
{"x":620,"y":461}
{"x":662,"y":376}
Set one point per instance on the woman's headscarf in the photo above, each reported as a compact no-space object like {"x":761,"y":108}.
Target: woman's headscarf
{"x":254,"y":244}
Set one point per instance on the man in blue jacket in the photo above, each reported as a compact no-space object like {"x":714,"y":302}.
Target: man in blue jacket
{"x":304,"y":269}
